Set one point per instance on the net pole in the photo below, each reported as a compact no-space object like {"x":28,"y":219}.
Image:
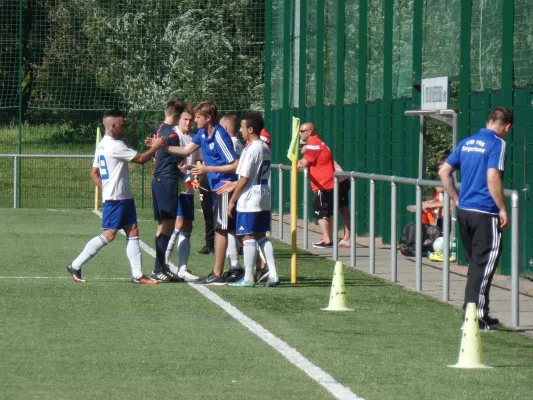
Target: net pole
{"x":96,"y":190}
{"x":294,"y":216}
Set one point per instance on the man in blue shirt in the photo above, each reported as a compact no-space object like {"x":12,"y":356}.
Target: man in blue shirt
{"x":482,"y":213}
{"x":220,"y":164}
{"x":165,"y":191}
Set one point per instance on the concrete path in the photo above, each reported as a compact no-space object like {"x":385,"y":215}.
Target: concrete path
{"x":500,"y":295}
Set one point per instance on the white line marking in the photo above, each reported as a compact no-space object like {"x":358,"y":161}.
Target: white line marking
{"x":63,"y":277}
{"x":328,"y":382}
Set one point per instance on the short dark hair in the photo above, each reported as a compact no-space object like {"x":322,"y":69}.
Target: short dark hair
{"x":254,"y":120}
{"x":501,"y":115}
{"x":114,"y":112}
{"x":174,"y":107}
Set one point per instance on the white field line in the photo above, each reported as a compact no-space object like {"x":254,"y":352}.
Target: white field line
{"x":62,"y":277}
{"x":320,"y":376}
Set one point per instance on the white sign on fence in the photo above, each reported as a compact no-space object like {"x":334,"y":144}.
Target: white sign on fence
{"x":435,"y":93}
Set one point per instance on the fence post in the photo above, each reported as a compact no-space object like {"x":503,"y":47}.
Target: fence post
{"x":306,"y":209}
{"x":418,"y":238}
{"x":514,"y":260}
{"x":280,"y":202}
{"x":446,"y":249}
{"x":372,"y":244}
{"x":393,"y":232}
{"x":353,"y":232}
{"x":335,"y":217}
{"x":142,"y":151}
{"x":15,"y":181}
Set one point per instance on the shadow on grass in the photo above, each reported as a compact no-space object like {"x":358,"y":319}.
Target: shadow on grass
{"x":326,"y":282}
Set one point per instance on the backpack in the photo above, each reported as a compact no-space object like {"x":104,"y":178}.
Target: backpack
{"x":408,"y":240}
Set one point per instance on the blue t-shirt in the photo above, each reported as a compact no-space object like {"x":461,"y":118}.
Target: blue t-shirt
{"x":217,"y":151}
{"x":474,"y":156}
{"x":166,"y":165}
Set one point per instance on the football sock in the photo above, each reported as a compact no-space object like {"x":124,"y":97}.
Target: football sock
{"x":91,"y":248}
{"x":231,"y":251}
{"x":268,"y":252}
{"x":161,"y":244}
{"x":171,"y":244}
{"x":134,"y":254}
{"x":249,"y":253}
{"x":184,"y":249}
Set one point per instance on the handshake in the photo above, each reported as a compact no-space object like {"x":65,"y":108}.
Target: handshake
{"x":158,"y":143}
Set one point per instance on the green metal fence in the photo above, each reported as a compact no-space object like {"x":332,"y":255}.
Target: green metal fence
{"x":360,"y":64}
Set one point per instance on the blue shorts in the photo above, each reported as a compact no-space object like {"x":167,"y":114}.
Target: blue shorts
{"x":248,"y":223}
{"x":165,"y":198}
{"x":186,"y":206}
{"x":118,"y":214}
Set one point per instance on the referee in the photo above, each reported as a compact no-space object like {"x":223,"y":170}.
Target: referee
{"x":482,"y":213}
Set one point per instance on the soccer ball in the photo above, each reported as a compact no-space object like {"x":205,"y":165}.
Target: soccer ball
{"x":438,"y":244}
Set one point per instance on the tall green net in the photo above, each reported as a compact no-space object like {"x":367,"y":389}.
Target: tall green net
{"x":63,"y":62}
{"x":523,"y":43}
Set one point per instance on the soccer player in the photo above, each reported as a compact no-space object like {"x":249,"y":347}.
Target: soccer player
{"x":220,"y":164}
{"x":165,"y":192}
{"x":253,"y":199}
{"x":231,"y":124}
{"x":111,"y":175}
{"x":185,"y":209}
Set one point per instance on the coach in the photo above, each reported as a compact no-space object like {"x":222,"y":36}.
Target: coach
{"x":482,"y":211}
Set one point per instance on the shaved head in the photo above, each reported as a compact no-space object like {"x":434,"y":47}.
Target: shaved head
{"x":114,"y":123}
{"x":307,"y":129}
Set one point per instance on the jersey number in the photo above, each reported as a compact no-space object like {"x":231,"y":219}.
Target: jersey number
{"x":104,"y":173}
{"x":264,"y":172}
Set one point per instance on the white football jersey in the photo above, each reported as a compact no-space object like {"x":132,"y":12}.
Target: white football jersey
{"x":237,"y":145}
{"x":191,"y":158}
{"x":112,"y":157}
{"x":254,"y":164}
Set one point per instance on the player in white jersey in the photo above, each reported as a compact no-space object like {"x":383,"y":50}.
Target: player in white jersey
{"x":252,"y":196}
{"x":230,"y":123}
{"x":110,"y":173}
{"x":185,"y":207}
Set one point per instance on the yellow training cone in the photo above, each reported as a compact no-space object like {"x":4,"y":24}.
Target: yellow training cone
{"x":470,"y":355}
{"x":337,"y":298}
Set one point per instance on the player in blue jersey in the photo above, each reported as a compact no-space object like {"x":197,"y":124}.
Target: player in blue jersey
{"x":220,"y":164}
{"x":110,"y":173}
{"x":165,"y":191}
{"x":482,"y":213}
{"x":251,"y":194}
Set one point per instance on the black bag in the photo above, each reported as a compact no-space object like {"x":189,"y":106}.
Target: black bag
{"x":408,"y":240}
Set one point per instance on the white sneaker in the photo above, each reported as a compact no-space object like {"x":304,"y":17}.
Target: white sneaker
{"x":185,"y":274}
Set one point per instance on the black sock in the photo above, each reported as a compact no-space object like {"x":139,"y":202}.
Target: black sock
{"x":161,"y":244}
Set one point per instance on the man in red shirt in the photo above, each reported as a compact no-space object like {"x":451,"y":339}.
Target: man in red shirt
{"x":319,"y":160}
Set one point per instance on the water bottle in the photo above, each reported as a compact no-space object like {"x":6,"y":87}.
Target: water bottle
{"x":453,"y":252}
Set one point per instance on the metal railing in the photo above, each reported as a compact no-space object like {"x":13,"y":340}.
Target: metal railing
{"x":17,"y":157}
{"x":394,"y":181}
{"x":305,"y":211}
{"x":419,"y":183}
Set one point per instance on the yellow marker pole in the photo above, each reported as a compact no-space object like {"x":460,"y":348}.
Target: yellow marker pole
{"x":96,"y":190}
{"x":294,"y":216}
{"x":293,"y":156}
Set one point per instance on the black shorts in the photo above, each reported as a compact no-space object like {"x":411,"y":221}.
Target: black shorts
{"x":344,"y":193}
{"x":223,"y":222}
{"x":165,"y":198}
{"x":323,"y":204}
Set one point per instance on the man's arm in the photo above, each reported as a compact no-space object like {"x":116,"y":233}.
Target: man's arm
{"x":236,"y":194}
{"x":182,"y":151}
{"x":227,"y":169}
{"x":95,"y":176}
{"x":156,"y":144}
{"x":446,"y":176}
{"x":303,"y":163}
{"x":495,"y":184}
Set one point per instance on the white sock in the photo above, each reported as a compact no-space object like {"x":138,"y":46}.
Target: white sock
{"x":250,"y":252}
{"x":134,"y":254}
{"x":184,"y":250}
{"x":231,"y":251}
{"x":268,"y":251}
{"x":91,"y":248}
{"x":171,"y":243}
